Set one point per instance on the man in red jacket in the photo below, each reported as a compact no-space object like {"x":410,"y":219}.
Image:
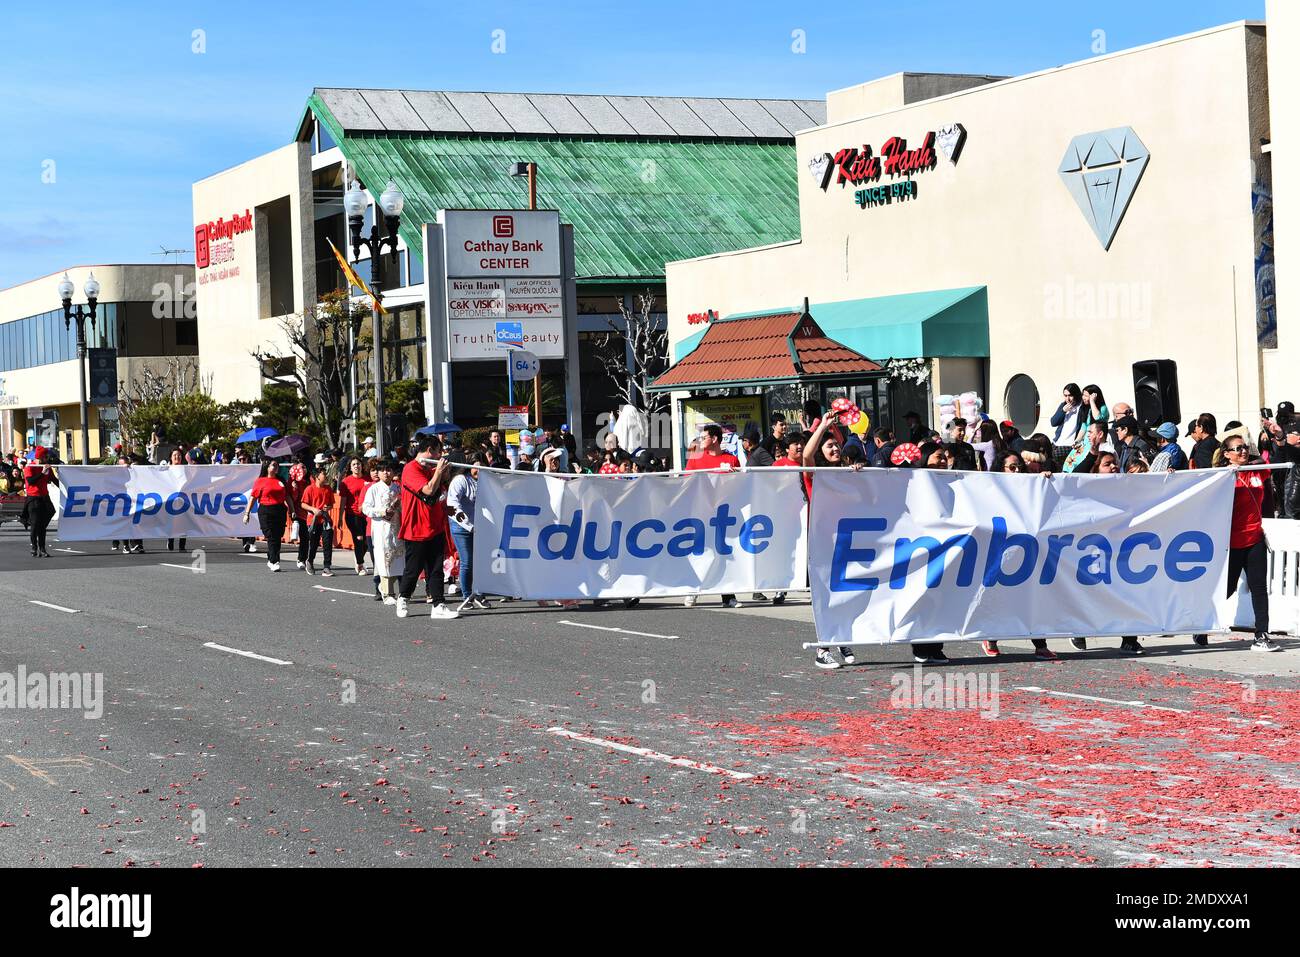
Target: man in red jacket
{"x":423,"y":526}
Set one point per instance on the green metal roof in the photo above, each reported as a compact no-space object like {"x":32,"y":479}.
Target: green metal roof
{"x":635,"y":203}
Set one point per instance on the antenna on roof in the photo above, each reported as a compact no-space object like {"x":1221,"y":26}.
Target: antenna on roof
{"x":164,"y":251}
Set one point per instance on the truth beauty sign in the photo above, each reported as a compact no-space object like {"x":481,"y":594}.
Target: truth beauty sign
{"x":628,"y":536}
{"x":899,"y":556}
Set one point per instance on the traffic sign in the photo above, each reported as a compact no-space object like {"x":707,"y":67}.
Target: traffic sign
{"x":524,"y":365}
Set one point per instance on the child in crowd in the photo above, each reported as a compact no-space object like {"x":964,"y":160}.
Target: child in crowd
{"x":317,"y":500}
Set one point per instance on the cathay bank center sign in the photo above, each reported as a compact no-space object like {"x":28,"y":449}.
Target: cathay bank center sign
{"x":503,"y":265}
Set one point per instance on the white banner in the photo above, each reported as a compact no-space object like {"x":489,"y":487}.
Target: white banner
{"x":902,"y":556}
{"x":99,"y":502}
{"x":597,"y":536}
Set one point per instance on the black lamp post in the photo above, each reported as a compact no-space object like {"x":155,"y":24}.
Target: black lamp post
{"x":391,"y":202}
{"x":71,"y":312}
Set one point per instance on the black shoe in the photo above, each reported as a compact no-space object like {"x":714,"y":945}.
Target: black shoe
{"x":938,"y":657}
{"x":44,"y":553}
{"x":778,"y":598}
{"x":1130,"y":646}
{"x":1081,"y":644}
{"x":1201,"y":640}
{"x":600,"y":603}
{"x":631,"y":602}
{"x":378,"y":596}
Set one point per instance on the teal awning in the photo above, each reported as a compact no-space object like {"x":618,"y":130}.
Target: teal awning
{"x":937,"y":324}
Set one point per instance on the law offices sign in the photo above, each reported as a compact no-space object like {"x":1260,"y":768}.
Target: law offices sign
{"x":503,"y":265}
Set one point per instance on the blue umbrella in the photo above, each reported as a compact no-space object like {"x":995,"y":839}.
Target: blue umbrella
{"x":439,"y":428}
{"x":257,"y":435}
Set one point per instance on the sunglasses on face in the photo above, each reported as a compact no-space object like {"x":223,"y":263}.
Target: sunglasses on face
{"x":1235,"y":448}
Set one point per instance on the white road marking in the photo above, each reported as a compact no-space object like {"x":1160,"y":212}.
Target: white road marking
{"x":621,"y":631}
{"x":46,"y":604}
{"x":654,"y":755}
{"x":72,"y":550}
{"x":246,"y":654}
{"x":344,"y":591}
{"x":185,"y":568}
{"x":1135,"y":704}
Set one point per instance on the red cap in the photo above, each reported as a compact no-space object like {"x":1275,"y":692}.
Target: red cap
{"x":1008,"y":423}
{"x":38,"y":453}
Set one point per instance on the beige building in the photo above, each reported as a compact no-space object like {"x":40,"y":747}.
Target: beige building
{"x":1038,"y":230}
{"x":145,"y":312}
{"x":254,"y":263}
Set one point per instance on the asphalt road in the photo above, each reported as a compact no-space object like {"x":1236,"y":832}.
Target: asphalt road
{"x":659,"y":736}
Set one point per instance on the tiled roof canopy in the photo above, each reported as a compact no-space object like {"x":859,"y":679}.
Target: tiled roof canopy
{"x":763,"y":350}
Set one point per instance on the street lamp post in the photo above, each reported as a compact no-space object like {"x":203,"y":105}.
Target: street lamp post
{"x":76,"y":312}
{"x":529,"y":169}
{"x":391,"y":202}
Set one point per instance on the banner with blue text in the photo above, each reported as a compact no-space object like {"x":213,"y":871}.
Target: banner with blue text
{"x":98,"y":502}
{"x":899,"y":556}
{"x":629,"y":536}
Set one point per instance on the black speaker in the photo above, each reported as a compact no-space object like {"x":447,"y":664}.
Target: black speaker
{"x":1155,"y":392}
{"x":396,"y":431}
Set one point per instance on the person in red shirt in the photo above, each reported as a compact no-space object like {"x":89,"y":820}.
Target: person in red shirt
{"x":316,"y":503}
{"x":271,"y":496}
{"x":39,"y":510}
{"x":424,"y":526}
{"x":709,"y":457}
{"x":352,"y":492}
{"x":1247,"y":549}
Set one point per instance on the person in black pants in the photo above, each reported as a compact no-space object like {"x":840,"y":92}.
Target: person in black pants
{"x":271,"y":496}
{"x":424,"y":526}
{"x":39,"y":510}
{"x":1247,"y":547}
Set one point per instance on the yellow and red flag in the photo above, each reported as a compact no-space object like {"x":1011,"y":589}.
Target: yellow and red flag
{"x":354,"y":279}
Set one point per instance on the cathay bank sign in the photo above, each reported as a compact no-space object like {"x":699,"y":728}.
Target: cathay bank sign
{"x":502,"y":243}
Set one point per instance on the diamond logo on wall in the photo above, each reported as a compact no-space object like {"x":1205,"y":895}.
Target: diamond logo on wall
{"x":1102,"y":170}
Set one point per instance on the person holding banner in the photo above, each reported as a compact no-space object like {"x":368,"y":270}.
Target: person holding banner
{"x":823,"y":451}
{"x":710,"y":457}
{"x":461,"y":495}
{"x":1247,"y":547}
{"x":272,"y":498}
{"x":422,"y":526}
{"x":177,"y":458}
{"x":39,"y":509}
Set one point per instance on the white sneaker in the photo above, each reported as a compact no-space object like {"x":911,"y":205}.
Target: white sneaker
{"x":691,"y":600}
{"x":311,"y":569}
{"x":824,"y":659}
{"x":733,"y":603}
{"x":390,"y":600}
{"x":401,"y":608}
{"x":1264,"y":643}
{"x":361,"y":569}
{"x":271,"y":565}
{"x":275,"y":567}
{"x":301,"y":566}
{"x":444,"y":613}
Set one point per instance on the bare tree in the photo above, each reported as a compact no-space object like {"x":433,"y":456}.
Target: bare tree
{"x":646,"y":338}
{"x":326,"y":341}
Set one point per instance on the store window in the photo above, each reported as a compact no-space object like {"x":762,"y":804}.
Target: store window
{"x":1021,"y":403}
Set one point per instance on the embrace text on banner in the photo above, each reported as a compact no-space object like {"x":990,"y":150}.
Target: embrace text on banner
{"x":900,"y":556}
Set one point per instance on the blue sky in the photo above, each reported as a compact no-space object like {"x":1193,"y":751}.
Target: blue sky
{"x":111,"y":103}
